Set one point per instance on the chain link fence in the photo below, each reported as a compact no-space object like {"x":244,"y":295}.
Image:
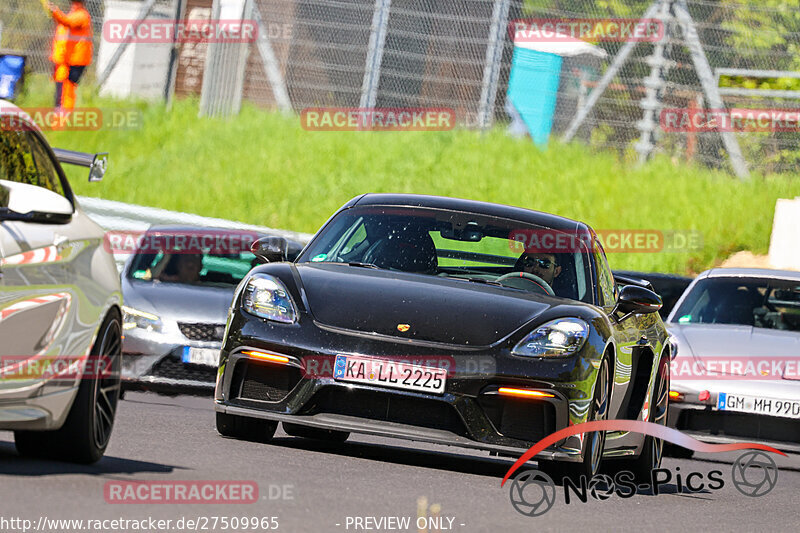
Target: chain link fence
{"x":461,"y":54}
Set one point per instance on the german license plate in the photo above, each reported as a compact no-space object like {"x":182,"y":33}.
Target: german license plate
{"x":200,"y":356}
{"x":758,"y":405}
{"x":396,"y":374}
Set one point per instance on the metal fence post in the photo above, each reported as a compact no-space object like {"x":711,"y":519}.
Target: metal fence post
{"x":271,"y":66}
{"x":707,"y":80}
{"x":377,"y":40}
{"x":209,"y":92}
{"x":654,"y":88}
{"x":491,"y":68}
{"x":172,"y":68}
{"x":604,"y":82}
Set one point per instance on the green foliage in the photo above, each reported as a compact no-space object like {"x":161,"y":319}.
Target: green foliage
{"x":263,"y":168}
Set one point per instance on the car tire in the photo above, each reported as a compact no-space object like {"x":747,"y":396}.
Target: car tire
{"x":678,"y":452}
{"x":87,"y":430}
{"x":306,"y":432}
{"x":245,"y":428}
{"x":653,"y":449}
{"x":591,"y":462}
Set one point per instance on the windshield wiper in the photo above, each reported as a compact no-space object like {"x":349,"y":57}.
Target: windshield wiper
{"x":363,"y":265}
{"x":478,"y":280}
{"x":352,"y":263}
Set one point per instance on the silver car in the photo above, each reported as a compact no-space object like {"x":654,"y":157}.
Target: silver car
{"x":736,"y":374}
{"x":60,"y":303}
{"x":178,"y":287}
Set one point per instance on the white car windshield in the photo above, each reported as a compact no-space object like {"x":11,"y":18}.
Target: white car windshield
{"x":761,"y":303}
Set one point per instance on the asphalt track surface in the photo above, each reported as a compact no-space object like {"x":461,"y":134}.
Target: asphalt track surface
{"x":310,"y":486}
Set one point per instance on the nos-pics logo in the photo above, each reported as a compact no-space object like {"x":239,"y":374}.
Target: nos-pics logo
{"x":533,"y":492}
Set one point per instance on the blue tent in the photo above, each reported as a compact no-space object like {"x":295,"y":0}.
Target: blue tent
{"x":534,"y":81}
{"x":12,"y":68}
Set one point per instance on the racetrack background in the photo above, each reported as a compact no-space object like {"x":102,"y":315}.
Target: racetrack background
{"x":262,"y":168}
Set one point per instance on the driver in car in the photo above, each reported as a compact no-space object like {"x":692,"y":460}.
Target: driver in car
{"x":539,"y":264}
{"x":183,"y":268}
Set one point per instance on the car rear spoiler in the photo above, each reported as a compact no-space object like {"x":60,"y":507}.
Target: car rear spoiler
{"x":96,"y":163}
{"x":627,"y":280}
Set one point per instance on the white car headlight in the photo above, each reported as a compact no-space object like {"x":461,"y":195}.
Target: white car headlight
{"x":135,"y":318}
{"x":563,"y":336}
{"x":266,"y":297}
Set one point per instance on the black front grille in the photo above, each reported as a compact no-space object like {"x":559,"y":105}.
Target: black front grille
{"x":263,"y":381}
{"x":521,"y":419}
{"x":202,"y":332}
{"x":387,"y":407}
{"x":175,"y":369}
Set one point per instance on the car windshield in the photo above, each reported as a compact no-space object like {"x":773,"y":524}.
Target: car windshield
{"x":445,"y":243}
{"x":762,"y":303}
{"x":191,"y":268}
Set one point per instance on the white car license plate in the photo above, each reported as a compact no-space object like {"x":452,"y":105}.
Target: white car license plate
{"x":386,"y":373}
{"x":758,"y":405}
{"x":200,"y":356}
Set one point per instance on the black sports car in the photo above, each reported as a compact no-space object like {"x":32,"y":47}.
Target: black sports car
{"x":439,"y":320}
{"x":669,"y":287}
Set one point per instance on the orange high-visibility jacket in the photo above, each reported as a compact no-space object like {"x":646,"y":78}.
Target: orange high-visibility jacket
{"x":58,"y":54}
{"x":79,"y":47}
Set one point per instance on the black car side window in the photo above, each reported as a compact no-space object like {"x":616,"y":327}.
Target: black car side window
{"x":604,"y":278}
{"x":24,"y":160}
{"x":16,"y":160}
{"x":48,"y":175}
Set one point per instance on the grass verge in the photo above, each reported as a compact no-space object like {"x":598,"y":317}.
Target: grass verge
{"x":263,"y":168}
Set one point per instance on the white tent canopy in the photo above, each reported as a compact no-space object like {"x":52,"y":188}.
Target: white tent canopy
{"x":559,"y":44}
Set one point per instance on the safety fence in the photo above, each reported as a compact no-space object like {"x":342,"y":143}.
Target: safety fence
{"x":718,"y":83}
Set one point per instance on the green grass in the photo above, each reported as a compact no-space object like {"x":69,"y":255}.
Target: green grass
{"x":263,"y":168}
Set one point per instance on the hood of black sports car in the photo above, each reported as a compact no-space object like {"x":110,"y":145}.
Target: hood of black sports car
{"x":417,"y":307}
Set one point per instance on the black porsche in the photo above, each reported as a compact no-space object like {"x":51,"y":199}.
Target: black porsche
{"x":447,"y":321}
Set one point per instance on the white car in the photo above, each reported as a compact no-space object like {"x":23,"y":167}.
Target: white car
{"x":60,"y":301}
{"x":736,"y":372}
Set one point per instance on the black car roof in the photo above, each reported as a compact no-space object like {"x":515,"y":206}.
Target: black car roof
{"x":529,"y":216}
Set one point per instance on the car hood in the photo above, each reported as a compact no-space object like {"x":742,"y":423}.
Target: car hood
{"x":722,"y":341}
{"x":184,"y":303}
{"x":436,"y":309}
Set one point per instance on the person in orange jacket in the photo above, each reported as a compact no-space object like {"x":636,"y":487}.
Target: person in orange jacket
{"x":72,"y":50}
{"x":58,"y":56}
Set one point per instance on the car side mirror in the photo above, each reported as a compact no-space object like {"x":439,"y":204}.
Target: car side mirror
{"x":636,"y":300}
{"x":98,"y":168}
{"x":270,"y":249}
{"x":96,"y":163}
{"x":30,"y":203}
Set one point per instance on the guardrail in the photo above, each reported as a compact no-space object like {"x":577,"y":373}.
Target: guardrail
{"x":120,"y":216}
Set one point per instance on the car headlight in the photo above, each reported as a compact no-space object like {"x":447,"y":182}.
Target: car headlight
{"x":563,"y":336}
{"x":135,"y":318}
{"x":266,"y":297}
